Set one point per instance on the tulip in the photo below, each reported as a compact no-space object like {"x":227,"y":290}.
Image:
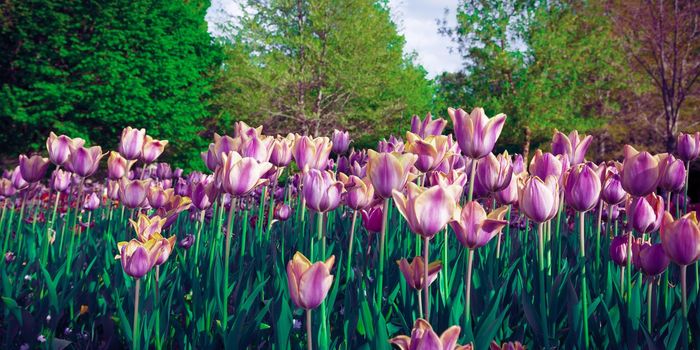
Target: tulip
{"x":341,"y":141}
{"x":423,"y":338}
{"x":6,"y":188}
{"x":509,"y":195}
{"x":681,"y":238}
{"x":257,"y":147}
{"x":543,"y":165}
{"x":33,"y":168}
{"x":428,"y":126}
{"x":372,"y":218}
{"x":117,"y":166}
{"x":645,"y":213}
{"x":175,"y":205}
{"x":164,"y":171}
{"x":572,"y":146}
{"x":640,"y":172}
{"x":389,"y":171}
{"x":152,"y":149}
{"x":618,"y":250}
{"x":203,"y":192}
{"x":539,"y":200}
{"x":18,"y":181}
{"x":84,"y":161}
{"x":612,"y":192}
{"x":688,"y":146}
{"x":311,"y":153}
{"x":282,"y":211}
{"x":430,"y":151}
{"x":131,"y":142}
{"x":652,"y":259}
{"x":321,"y":190}
{"x":392,"y":145}
{"x":132,"y":193}
{"x":113,"y":189}
{"x":157,"y":196}
{"x":582,"y":189}
{"x":309,"y":283}
{"x":241,"y":129}
{"x":413,"y":272}
{"x":59,"y":147}
{"x":506,"y":346}
{"x":360,"y":192}
{"x":210,"y":159}
{"x":281,"y":153}
{"x":240,"y":175}
{"x":91,"y":202}
{"x":137,"y":257}
{"x":494,"y":173}
{"x":476,"y":134}
{"x":187,"y":242}
{"x":672,"y":174}
{"x":427,"y":210}
{"x":474,"y":228}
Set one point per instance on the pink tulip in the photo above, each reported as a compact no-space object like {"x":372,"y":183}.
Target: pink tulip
{"x":117,"y":166}
{"x":59,"y":147}
{"x":389,"y":171}
{"x":539,"y":200}
{"x":612,"y":192}
{"x":157,"y":196}
{"x":203,"y":192}
{"x":572,"y":146}
{"x":424,"y":338}
{"x":281,"y":153}
{"x":33,"y":168}
{"x":494,"y":173}
{"x":640,"y":172}
{"x":681,"y":238}
{"x":372,"y":218}
{"x":341,"y":141}
{"x":672,"y":173}
{"x":243,"y":130}
{"x":321,"y":190}
{"x":474,"y":228}
{"x":428,"y":126}
{"x":240,"y":175}
{"x":309,"y":283}
{"x":413,"y":272}
{"x":476,"y":133}
{"x":582,"y":188}
{"x":6,"y":188}
{"x":359,"y":192}
{"x":311,"y":153}
{"x":152,"y":149}
{"x":430,"y":151}
{"x":138,"y":258}
{"x":132,"y":193}
{"x":688,"y":146}
{"x":84,"y":161}
{"x":652,"y":259}
{"x":91,"y":202}
{"x":618,"y":250}
{"x":18,"y":181}
{"x":645,"y":213}
{"x":427,"y":210}
{"x":131,"y":142}
{"x":544,"y":165}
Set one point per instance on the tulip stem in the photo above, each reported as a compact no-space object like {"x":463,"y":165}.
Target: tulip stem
{"x":309,"y":334}
{"x":135,"y":334}
{"x":649,"y":290}
{"x":45,"y":251}
{"x":382,"y":238}
{"x":348,"y":267}
{"x":322,"y":237}
{"x":684,"y":303}
{"x":472,"y":175}
{"x":229,"y":230}
{"x":200,"y":224}
{"x":584,"y":288}
{"x":468,"y":291}
{"x":687,"y":178}
{"x":622,"y":280}
{"x":426,"y":286}
{"x":420,"y":306}
{"x":69,"y":260}
{"x":597,"y":237}
{"x":543,"y":300}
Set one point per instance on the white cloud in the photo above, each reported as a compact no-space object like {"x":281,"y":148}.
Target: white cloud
{"x":416,"y":20}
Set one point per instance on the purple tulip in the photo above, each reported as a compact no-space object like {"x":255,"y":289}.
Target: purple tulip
{"x":476,"y":134}
{"x":389,"y":171}
{"x":18,"y":181}
{"x":157,"y":196}
{"x":59,"y":147}
{"x":427,"y":210}
{"x":544,"y":165}
{"x":424,"y":338}
{"x":360,"y":192}
{"x":203,"y":192}
{"x":209,"y":158}
{"x":681,"y":238}
{"x":164,"y":171}
{"x":84,"y":161}
{"x":309,"y":283}
{"x":688,"y":146}
{"x":131,"y":143}
{"x":113,"y":189}
{"x":33,"y":168}
{"x":413,"y":273}
{"x":311,"y":153}
{"x":582,"y":189}
{"x":321,"y":190}
{"x":6,"y":188}
{"x":640,"y":172}
{"x":281,"y":153}
{"x":474,"y":228}
{"x":645,"y":213}
{"x":436,"y":178}
{"x":430,"y":151}
{"x":652,"y":259}
{"x":138,"y":258}
{"x":509,"y":195}
{"x":494,"y":173}
{"x":572,"y":146}
{"x":672,"y":174}
{"x":372,"y":218}
{"x":612,"y":192}
{"x":152,"y":149}
{"x":243,"y":130}
{"x":341,"y":141}
{"x":539,"y":200}
{"x":117,"y":166}
{"x":91,"y":202}
{"x":282,"y":211}
{"x":186,"y":242}
{"x":177,"y":173}
{"x":428,"y":126}
{"x":392,"y":145}
{"x":618,"y":250}
{"x":240,"y":175}
{"x":132,"y":193}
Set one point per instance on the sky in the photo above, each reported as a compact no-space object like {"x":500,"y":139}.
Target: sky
{"x":416,"y":20}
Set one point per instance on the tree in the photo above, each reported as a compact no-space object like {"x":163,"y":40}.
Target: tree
{"x":311,"y":65}
{"x":89,"y":69}
{"x":662,"y":38}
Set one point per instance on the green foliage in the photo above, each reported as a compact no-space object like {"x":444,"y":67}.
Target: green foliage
{"x":89,"y":69}
{"x":545,"y":64}
{"x":310,"y":66}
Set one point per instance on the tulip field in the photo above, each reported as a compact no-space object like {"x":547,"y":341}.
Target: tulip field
{"x":428,"y":241}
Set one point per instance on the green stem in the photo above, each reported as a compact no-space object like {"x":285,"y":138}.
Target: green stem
{"x":426,"y":287}
{"x":78,"y":202}
{"x":135,"y":333}
{"x":348,"y":267}
{"x":597,"y":235}
{"x":200,"y":224}
{"x":309,"y":332}
{"x":684,"y":303}
{"x":382,"y":238}
{"x":320,"y":235}
{"x":541,"y":273}
{"x":472,"y":175}
{"x":468,"y":290}
{"x":649,"y":289}
{"x":584,"y":288}
{"x":227,"y":255}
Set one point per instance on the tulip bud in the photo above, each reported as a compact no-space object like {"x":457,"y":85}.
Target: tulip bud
{"x":494,"y":173}
{"x":341,"y":141}
{"x":132,"y":193}
{"x":427,"y":210}
{"x":282,"y":211}
{"x":476,"y":134}
{"x":34,"y":168}
{"x":681,"y":238}
{"x":372,"y":218}
{"x":117,"y":166}
{"x":572,"y":146}
{"x":640,"y":172}
{"x":688,"y":146}
{"x":240,"y":175}
{"x":131,"y":142}
{"x":309,"y":283}
{"x":321,"y":190}
{"x":474,"y":228}
{"x":84,"y":161}
{"x":582,"y":189}
{"x":91,"y":202}
{"x":423,"y":337}
{"x":138,"y":258}
{"x":428,"y":126}
{"x":59,"y":147}
{"x":652,"y":259}
{"x":618,"y":250}
{"x":281,"y":153}
{"x":389,"y":171}
{"x":672,"y":174}
{"x":360,"y":192}
{"x":60,"y":180}
{"x":186,"y":242}
{"x":645,"y":213}
{"x":157,"y":196}
{"x":413,"y":273}
{"x":612,"y":192}
{"x":18,"y":181}
{"x":539,"y":200}
{"x":152,"y":149}
{"x":311,"y":153}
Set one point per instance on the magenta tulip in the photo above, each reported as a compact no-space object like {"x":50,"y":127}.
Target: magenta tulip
{"x":117,"y":166}
{"x":203,"y":192}
{"x":281,"y":153}
{"x":389,"y":171}
{"x":652,"y":259}
{"x":372,"y":218}
{"x":476,"y":134}
{"x":132,"y":193}
{"x":309,"y":283}
{"x":341,"y":141}
{"x":572,"y":146}
{"x":423,"y":337}
{"x":544,"y":165}
{"x":311,"y":153}
{"x":672,"y":174}
{"x":152,"y":149}
{"x":33,"y":168}
{"x":138,"y":258}
{"x":618,"y":250}
{"x":91,"y":202}
{"x":131,"y":143}
{"x":18,"y":181}
{"x":539,"y":200}
{"x":612,"y":192}
{"x":427,"y":210}
{"x":321,"y":190}
{"x":59,"y":147}
{"x":158,"y":196}
{"x":413,"y":272}
{"x":582,"y":188}
{"x":494,"y":173}
{"x":688,"y":146}
{"x":640,"y":172}
{"x":681,"y":238}
{"x":474,"y":228}
{"x":359,"y":192}
{"x":240,"y":175}
{"x":6,"y":188}
{"x":428,"y":126}
{"x":84,"y":161}
{"x":645,"y":213}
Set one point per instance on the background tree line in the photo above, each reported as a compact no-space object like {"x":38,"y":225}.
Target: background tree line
{"x":623,"y":71}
